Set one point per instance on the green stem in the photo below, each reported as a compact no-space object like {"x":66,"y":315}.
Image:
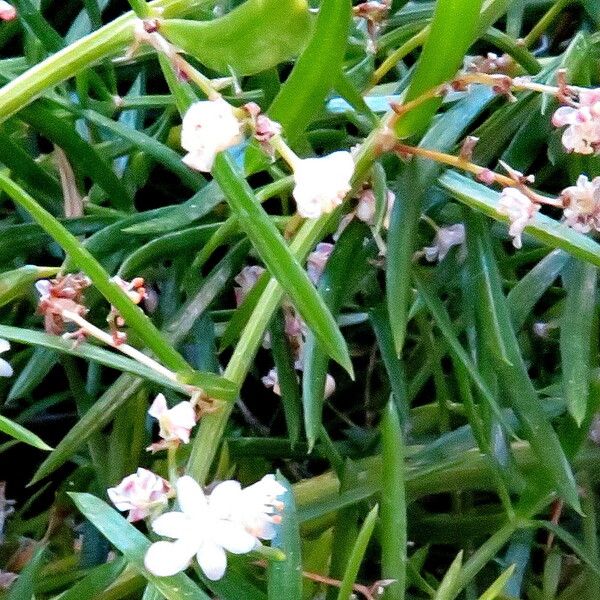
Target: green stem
{"x":133,"y":315}
{"x":545,"y":22}
{"x":86,"y":51}
{"x":172,"y":464}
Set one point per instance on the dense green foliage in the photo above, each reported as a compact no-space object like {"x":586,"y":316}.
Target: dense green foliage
{"x":458,"y":455}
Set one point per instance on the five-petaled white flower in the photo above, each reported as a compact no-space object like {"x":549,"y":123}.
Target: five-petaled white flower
{"x":208,"y":127}
{"x":7,"y":11}
{"x":322,"y":183}
{"x":445,"y":238}
{"x":175,"y":423}
{"x":200,"y":530}
{"x":583,"y":132}
{"x":5,"y":369}
{"x":519,"y":209}
{"x":582,"y":204}
{"x":143,"y":494}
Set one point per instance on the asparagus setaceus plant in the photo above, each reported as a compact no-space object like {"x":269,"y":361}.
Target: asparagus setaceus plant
{"x":299,"y":300}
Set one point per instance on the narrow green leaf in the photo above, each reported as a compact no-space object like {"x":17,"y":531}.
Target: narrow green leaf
{"x":240,"y":41}
{"x":20,"y":433}
{"x":34,"y":21}
{"x":16,"y":283}
{"x":453,"y":29}
{"x":95,"y":582}
{"x":291,"y":397}
{"x":393,"y":505}
{"x":284,"y":578}
{"x":302,"y":95}
{"x":134,"y":545}
{"x":358,"y":552}
{"x":530,"y":288}
{"x":279,"y":260}
{"x":499,"y":336}
{"x":580,"y":280}
{"x":497,"y":587}
{"x":24,"y":586}
{"x":447,"y":588}
{"x":33,"y":373}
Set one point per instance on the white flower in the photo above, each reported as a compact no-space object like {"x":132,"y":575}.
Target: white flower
{"x":208,"y":128}
{"x":322,"y":183}
{"x":256,"y":507}
{"x":445,"y":238}
{"x":582,"y":204}
{"x":317,"y":260}
{"x":7,"y":11}
{"x":271,"y":380}
{"x":142,"y":494}
{"x":366,"y":207}
{"x":246,"y":279}
{"x":175,"y":423}
{"x":583,"y":132}
{"x":519,"y":209}
{"x":197,"y":530}
{"x":5,"y":369}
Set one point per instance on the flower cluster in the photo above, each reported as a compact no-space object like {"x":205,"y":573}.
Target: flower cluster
{"x":206,"y":526}
{"x":63,"y":293}
{"x":582,"y":204}
{"x":582,"y":119}
{"x":519,"y":209}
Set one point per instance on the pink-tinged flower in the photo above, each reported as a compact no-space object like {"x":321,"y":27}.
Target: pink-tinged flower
{"x":271,"y":380}
{"x":366,"y":207}
{"x":5,"y":369}
{"x":208,"y":127}
{"x":322,"y":183}
{"x":256,"y":508}
{"x":519,"y":209}
{"x":582,"y":204}
{"x":445,"y":238}
{"x":583,"y":132}
{"x":317,"y":260}
{"x":7,"y":11}
{"x":198,"y":530}
{"x":246,"y":280}
{"x":175,"y":423}
{"x":143,"y":494}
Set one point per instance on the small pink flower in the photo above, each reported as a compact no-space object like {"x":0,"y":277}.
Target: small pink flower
{"x":445,"y":238}
{"x":271,"y":380}
{"x":317,"y":260}
{"x":175,"y":423}
{"x":246,"y":280}
{"x":583,"y":120}
{"x":582,"y":204}
{"x":519,"y":209}
{"x":7,"y":11}
{"x":143,"y":494}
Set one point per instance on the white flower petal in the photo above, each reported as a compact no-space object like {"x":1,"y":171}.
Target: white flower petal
{"x":212,"y":560}
{"x":158,"y":407}
{"x":4,"y":345}
{"x":233,"y":537}
{"x":190,"y":496}
{"x":225,"y":494}
{"x":172,"y":524}
{"x":5,"y":369}
{"x":167,"y":558}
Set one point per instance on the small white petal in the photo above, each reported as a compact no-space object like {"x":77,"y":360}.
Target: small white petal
{"x":158,"y":407}
{"x":172,"y":524}
{"x":5,"y":369}
{"x":190,"y":496}
{"x":167,"y":558}
{"x":4,"y":345}
{"x":212,"y":560}
{"x":234,"y":537}
{"x":226,"y":494}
